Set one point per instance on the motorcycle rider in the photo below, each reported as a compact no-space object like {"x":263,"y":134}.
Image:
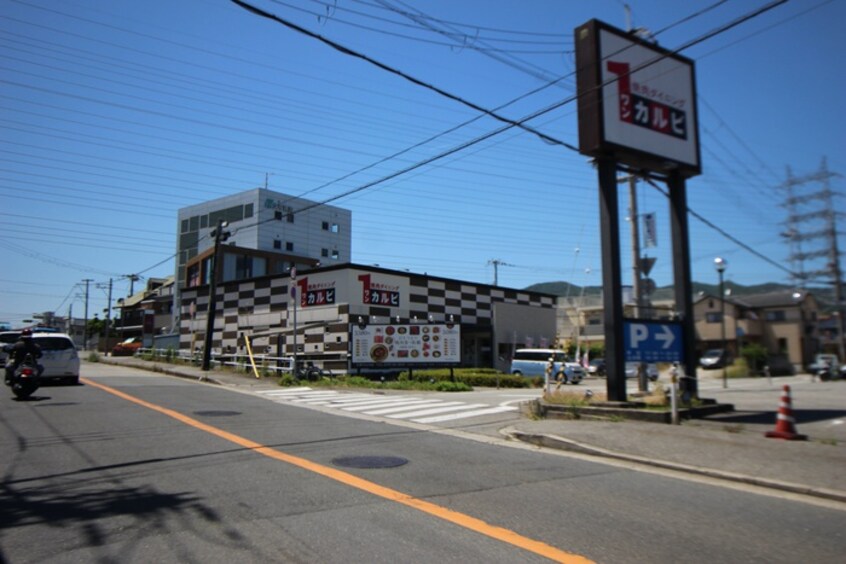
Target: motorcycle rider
{"x":18,"y":352}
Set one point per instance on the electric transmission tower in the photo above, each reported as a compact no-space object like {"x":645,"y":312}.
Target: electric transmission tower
{"x":812,"y":234}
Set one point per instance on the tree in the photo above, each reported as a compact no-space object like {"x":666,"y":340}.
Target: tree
{"x":96,"y":326}
{"x":755,"y":356}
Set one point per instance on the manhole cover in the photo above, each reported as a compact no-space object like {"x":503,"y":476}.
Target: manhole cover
{"x":219,"y":413}
{"x":369,"y":461}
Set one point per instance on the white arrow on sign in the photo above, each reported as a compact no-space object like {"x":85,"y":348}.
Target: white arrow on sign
{"x":666,"y":335}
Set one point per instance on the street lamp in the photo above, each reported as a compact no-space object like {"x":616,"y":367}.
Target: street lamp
{"x":720,"y":264}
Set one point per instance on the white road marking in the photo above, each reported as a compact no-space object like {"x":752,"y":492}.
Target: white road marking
{"x":463,"y":415}
{"x":391,"y":403}
{"x":443,"y":408}
{"x":397,"y":407}
{"x":429,"y":403}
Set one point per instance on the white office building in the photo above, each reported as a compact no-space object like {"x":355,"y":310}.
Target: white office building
{"x":269,"y":232}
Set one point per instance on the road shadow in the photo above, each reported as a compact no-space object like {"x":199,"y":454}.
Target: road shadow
{"x":769,"y":417}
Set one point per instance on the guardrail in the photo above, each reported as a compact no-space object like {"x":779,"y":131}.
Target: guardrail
{"x":279,"y":364}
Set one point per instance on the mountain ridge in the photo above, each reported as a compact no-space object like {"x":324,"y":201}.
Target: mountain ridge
{"x":825,"y":296}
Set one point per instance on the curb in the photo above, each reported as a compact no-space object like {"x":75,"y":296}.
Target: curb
{"x":163,"y":369}
{"x":562,"y":443}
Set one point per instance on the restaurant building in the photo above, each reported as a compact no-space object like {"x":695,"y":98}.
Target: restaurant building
{"x":333,"y":300}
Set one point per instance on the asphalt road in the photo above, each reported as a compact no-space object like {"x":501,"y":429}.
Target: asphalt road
{"x":138,"y":467}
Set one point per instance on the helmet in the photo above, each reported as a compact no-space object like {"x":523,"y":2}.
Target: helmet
{"x":26,"y":333}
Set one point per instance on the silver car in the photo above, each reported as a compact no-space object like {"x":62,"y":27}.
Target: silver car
{"x":651,"y":370}
{"x":59,"y":357}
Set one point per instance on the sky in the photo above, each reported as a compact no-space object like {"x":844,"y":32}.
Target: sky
{"x":115,"y":114}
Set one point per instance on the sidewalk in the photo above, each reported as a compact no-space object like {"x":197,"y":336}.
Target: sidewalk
{"x":711,"y":447}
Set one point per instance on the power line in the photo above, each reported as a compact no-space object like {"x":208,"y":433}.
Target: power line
{"x":460,"y":24}
{"x":722,"y":232}
{"x":332,"y":17}
{"x":397,"y":72}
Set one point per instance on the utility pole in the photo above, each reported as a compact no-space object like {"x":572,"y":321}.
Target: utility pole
{"x":85,"y":327}
{"x":109,"y":316}
{"x":294,"y":299}
{"x":640,"y":265}
{"x":633,"y":219}
{"x":496,"y":264}
{"x":132,"y":279}
{"x":213,"y":272}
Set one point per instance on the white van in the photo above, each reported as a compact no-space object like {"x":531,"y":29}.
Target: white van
{"x":533,"y":362}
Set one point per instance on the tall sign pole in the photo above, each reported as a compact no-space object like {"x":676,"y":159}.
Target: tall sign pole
{"x":682,"y":281}
{"x":609,"y":220}
{"x":637,"y":113}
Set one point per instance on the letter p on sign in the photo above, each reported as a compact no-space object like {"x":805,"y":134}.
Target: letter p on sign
{"x":638,"y":334}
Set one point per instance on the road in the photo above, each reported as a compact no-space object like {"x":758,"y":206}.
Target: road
{"x":133,"y":466}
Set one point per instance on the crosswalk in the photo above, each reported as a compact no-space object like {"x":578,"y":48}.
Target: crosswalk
{"x":407,"y":408}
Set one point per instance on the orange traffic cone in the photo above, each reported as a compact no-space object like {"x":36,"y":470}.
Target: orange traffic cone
{"x":785,"y":424}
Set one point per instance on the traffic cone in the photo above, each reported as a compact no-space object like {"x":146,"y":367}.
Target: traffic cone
{"x":785,"y":424}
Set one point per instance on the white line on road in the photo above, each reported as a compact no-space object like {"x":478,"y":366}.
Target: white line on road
{"x":443,"y":408}
{"x":463,"y":415}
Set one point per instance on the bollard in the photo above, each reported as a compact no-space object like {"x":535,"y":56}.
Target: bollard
{"x":674,"y":394}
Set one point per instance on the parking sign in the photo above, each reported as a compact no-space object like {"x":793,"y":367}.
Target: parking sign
{"x":653,"y":341}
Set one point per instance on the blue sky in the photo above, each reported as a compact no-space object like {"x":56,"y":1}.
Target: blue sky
{"x":116,"y":114}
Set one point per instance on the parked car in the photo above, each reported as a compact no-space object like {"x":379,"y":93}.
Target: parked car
{"x":596,"y":367}
{"x":533,"y":362}
{"x":128,"y":347}
{"x":59,"y":357}
{"x":714,"y":358}
{"x":829,"y":363}
{"x":651,"y":370}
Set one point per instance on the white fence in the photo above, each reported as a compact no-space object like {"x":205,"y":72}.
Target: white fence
{"x":279,"y":364}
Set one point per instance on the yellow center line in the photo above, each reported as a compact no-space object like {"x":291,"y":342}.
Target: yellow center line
{"x":466,"y":521}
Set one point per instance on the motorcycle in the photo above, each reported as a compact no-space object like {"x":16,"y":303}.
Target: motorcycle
{"x":24,"y":380}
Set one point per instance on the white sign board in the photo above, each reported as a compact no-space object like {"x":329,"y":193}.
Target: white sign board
{"x":406,"y":344}
{"x":648,"y":100}
{"x":637,"y":101}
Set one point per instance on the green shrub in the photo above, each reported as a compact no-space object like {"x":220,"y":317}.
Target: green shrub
{"x":288,"y":380}
{"x":482,"y":377}
{"x":452,"y":387}
{"x":93,"y":356}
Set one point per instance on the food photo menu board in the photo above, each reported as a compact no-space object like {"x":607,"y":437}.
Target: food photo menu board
{"x":406,"y":344}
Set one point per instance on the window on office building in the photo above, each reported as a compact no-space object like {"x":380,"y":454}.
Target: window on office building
{"x":289,"y":246}
{"x":324,"y":252}
{"x":277,"y":215}
{"x":277,"y":244}
{"x":335,"y":254}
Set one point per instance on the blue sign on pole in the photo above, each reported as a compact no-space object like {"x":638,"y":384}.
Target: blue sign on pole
{"x":653,"y":341}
